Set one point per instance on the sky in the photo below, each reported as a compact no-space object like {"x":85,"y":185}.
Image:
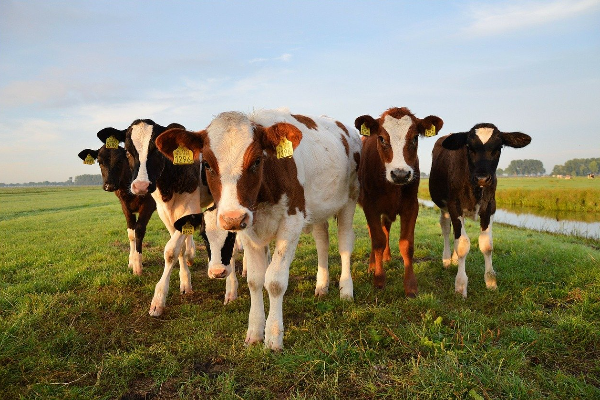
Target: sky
{"x":70,"y":68}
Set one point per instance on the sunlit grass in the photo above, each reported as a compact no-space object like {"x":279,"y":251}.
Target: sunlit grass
{"x":74,"y":321}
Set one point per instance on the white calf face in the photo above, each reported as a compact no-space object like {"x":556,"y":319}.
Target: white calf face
{"x":148,"y":162}
{"x":398,"y":148}
{"x":230,"y":136}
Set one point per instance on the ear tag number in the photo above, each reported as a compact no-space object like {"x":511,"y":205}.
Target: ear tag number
{"x":430,"y":132}
{"x":187,"y":229}
{"x":364,"y":130}
{"x":89,"y":160}
{"x":183,"y":156}
{"x":112,"y":143}
{"x":285,"y":149}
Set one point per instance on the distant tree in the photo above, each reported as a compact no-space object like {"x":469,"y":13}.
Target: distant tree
{"x":499,"y":171}
{"x":88,"y":179}
{"x":578,"y":167}
{"x":525,"y":167}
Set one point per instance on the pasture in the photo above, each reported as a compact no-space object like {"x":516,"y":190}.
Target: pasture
{"x":543,"y":194}
{"x":74,"y":321}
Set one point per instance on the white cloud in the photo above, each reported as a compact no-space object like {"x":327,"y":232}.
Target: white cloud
{"x":494,"y":19}
{"x":285,"y":57}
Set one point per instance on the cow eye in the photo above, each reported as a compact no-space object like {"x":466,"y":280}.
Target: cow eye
{"x":206,"y":166}
{"x":415,"y":140}
{"x":255,"y":165}
{"x":382,"y":141}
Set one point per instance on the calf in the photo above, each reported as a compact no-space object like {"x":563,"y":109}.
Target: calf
{"x":116,"y":176}
{"x":463,"y":179}
{"x":389,"y":181}
{"x":273,"y":174}
{"x":178,"y":192}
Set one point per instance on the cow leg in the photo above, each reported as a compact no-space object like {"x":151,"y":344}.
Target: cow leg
{"x":386,"y":224}
{"x":140,"y":232}
{"x":321,"y":234}
{"x":231,"y":282}
{"x":172,"y":248}
{"x":406,"y":244}
{"x":345,"y":246}
{"x":277,"y":275}
{"x":257,"y":264}
{"x":131,"y":237}
{"x":377,"y":247}
{"x":447,"y":258}
{"x":186,"y":259}
{"x":462,"y":245}
{"x":486,"y":246}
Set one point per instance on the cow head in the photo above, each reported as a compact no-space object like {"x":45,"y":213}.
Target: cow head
{"x":233,"y":153}
{"x":397,"y":132}
{"x":483,"y":144}
{"x":146,"y":161}
{"x":113,"y":166}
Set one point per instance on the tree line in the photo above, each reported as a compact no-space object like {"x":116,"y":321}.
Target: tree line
{"x":578,"y":167}
{"x":80,"y":180}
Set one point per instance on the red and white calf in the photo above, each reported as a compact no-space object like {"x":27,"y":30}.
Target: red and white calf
{"x":389,"y":178}
{"x":267,"y":198}
{"x":463,"y":181}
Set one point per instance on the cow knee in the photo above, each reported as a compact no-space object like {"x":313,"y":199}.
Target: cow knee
{"x":485,"y":243}
{"x":463,"y":246}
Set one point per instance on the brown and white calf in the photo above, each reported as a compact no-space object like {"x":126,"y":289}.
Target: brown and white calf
{"x":389,"y":178}
{"x":266,"y":198}
{"x":178,"y":192}
{"x":463,"y":181}
{"x":116,"y":177}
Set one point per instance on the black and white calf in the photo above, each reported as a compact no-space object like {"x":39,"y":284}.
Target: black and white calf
{"x":463,"y":180}
{"x":116,"y":177}
{"x":178,"y":191}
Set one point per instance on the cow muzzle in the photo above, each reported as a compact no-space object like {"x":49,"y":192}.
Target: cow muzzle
{"x":401,"y":176}
{"x":483,"y":180}
{"x":140,"y":187}
{"x":233,"y":220}
{"x":218,"y":271}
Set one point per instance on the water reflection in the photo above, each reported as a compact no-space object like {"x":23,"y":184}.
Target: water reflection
{"x":587,"y":227}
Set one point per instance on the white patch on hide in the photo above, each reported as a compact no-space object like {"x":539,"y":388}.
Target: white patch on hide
{"x":141,"y":134}
{"x":397,"y":129}
{"x":484,"y":134}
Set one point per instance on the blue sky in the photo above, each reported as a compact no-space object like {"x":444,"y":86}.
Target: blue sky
{"x":71,"y":68}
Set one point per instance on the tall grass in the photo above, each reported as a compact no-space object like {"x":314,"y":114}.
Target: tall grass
{"x":74,"y":321}
{"x":544,"y":194}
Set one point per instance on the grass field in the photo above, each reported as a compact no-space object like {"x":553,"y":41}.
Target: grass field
{"x":544,"y":194}
{"x":74,"y":321}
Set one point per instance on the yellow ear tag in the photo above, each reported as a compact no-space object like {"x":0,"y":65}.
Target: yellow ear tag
{"x":112,"y":143}
{"x":89,"y":160}
{"x":364,"y":130}
{"x":430,"y":132}
{"x":187,"y":229}
{"x":285,"y":149}
{"x":183,"y":156}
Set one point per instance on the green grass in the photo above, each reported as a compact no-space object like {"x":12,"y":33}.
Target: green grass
{"x":543,"y":194}
{"x":74,"y":321}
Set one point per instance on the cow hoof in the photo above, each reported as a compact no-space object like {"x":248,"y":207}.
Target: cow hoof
{"x":460,"y":285}
{"x":274,"y":342}
{"x":447,"y":262}
{"x":252,"y":338}
{"x":321,"y":291}
{"x":490,"y":280}
{"x":186,"y":290}
{"x":137,"y":270}
{"x":229,"y":297}
{"x":156,"y":310}
{"x":346,"y":294}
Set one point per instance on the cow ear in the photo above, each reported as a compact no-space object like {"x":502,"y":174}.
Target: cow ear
{"x":88,"y":152}
{"x":108,"y":132}
{"x":171,"y":139}
{"x":429,"y":126}
{"x":455,"y":141}
{"x":515,"y":139}
{"x":273,"y":136}
{"x":366,"y":123}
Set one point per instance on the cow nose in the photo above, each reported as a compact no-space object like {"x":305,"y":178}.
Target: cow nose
{"x":233,"y":220}
{"x":483,"y":180}
{"x":109,"y":187}
{"x":217,"y":272}
{"x":140,"y":187}
{"x":400,"y":176}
